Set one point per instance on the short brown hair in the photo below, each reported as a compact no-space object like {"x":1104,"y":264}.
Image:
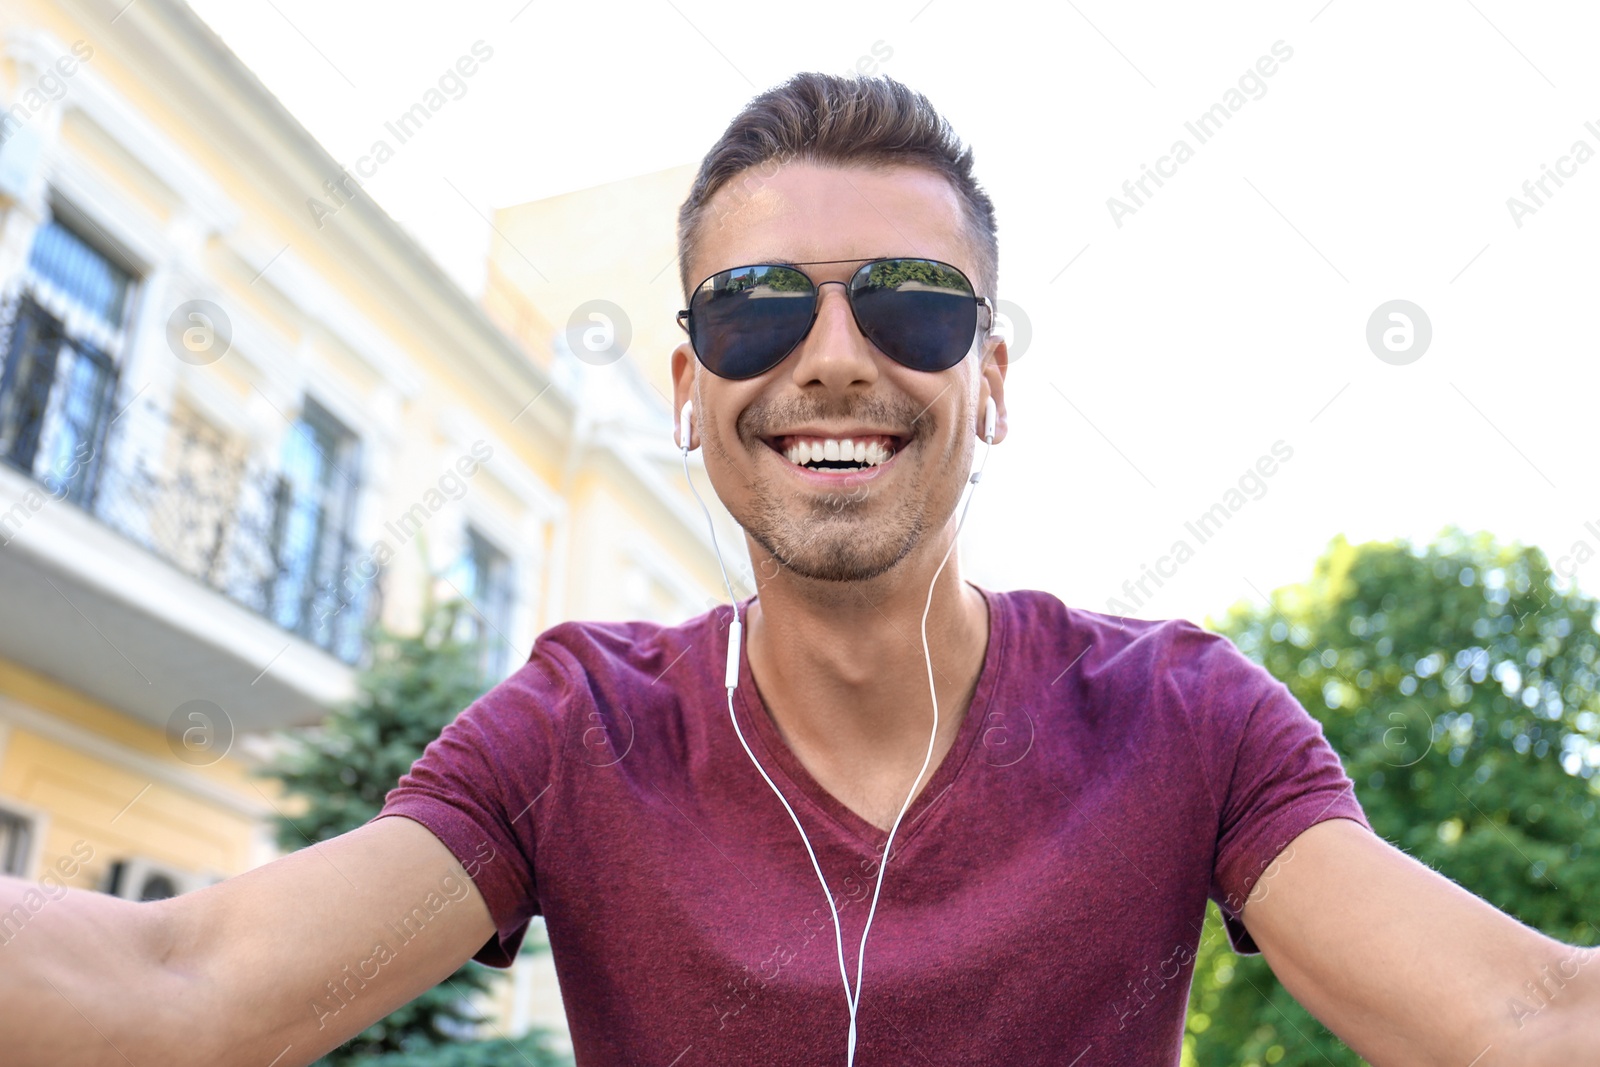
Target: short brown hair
{"x":833,"y":120}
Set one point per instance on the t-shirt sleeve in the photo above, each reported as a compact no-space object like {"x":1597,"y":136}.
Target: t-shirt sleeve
{"x":1272,"y":772}
{"x":478,"y":787}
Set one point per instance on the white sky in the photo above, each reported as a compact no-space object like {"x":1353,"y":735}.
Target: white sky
{"x":1228,"y":313}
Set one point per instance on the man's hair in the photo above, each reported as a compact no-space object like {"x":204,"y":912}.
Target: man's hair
{"x":831,"y":120}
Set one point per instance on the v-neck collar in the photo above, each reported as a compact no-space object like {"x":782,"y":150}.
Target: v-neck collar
{"x":791,"y":775}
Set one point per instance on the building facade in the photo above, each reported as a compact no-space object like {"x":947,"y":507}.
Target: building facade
{"x":234,"y":430}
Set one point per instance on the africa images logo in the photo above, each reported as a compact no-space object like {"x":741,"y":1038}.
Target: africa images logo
{"x":450,"y":85}
{"x":1202,"y":128}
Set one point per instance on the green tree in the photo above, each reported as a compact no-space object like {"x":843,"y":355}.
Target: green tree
{"x":1458,"y":684}
{"x":338,"y":773}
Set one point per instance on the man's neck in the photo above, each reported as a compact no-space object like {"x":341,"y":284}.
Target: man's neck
{"x":842,"y":672}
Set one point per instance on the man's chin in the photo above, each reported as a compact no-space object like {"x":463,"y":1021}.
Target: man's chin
{"x":842,"y":572}
{"x":826,"y":560}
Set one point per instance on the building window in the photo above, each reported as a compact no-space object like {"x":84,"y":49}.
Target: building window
{"x":67,"y":324}
{"x":16,"y":843}
{"x":483,"y":576}
{"x":273,"y":536}
{"x":313,"y":594}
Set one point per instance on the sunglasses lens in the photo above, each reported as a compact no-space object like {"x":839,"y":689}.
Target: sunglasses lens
{"x":919,"y":312}
{"x":743,"y":322}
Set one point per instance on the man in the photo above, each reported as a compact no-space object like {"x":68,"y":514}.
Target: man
{"x":1089,"y":783}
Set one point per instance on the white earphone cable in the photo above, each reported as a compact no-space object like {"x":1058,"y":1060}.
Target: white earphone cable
{"x":731,"y":679}
{"x":932,"y":738}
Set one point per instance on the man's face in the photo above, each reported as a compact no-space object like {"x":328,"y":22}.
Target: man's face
{"x":838,"y":525}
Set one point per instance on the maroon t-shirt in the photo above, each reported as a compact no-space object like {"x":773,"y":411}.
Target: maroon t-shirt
{"x":1044,"y":899}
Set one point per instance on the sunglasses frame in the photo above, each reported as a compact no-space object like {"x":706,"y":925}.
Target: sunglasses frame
{"x":816,"y":309}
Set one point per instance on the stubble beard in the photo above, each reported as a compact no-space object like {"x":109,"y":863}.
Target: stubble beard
{"x":848,"y":535}
{"x":840,"y":540}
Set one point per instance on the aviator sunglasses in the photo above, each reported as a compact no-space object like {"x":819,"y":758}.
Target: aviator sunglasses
{"x":921,"y":313}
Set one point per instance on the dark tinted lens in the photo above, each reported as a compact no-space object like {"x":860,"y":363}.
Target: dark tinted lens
{"x":919,"y":312}
{"x":742,"y":322}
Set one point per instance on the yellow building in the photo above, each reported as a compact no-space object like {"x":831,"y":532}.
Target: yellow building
{"x":618,"y":288}
{"x":241,"y":414}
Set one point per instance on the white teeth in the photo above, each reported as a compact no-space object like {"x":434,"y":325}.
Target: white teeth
{"x":838,"y":450}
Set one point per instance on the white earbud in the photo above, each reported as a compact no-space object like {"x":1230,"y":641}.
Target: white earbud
{"x":683,"y":425}
{"x":990,"y":416}
{"x":1001,"y":327}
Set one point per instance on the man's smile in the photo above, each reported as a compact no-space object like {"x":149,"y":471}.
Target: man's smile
{"x":837,"y":458}
{"x":838,"y":450}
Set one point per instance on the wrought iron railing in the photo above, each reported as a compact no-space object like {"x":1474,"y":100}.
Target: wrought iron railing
{"x":176,"y":486}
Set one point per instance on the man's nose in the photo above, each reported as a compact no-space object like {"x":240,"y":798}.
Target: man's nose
{"x":835,"y":352}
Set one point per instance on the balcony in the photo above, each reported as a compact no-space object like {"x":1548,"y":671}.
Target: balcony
{"x":149,"y":560}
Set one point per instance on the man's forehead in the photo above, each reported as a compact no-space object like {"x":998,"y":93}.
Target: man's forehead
{"x":806,"y":213}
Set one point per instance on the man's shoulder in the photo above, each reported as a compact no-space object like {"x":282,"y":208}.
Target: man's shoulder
{"x":1118,"y":650}
{"x":617,"y":653}
{"x":1042,"y":616}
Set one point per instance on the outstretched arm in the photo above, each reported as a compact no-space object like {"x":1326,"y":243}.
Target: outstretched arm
{"x":275,"y":966}
{"x":1409,"y":968}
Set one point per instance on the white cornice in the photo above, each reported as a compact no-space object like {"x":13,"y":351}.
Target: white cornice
{"x":285,"y":271}
{"x":667,"y":573}
{"x":53,"y":728}
{"x":136,"y":235}
{"x":678,"y":508}
{"x":217,"y":93}
{"x":35,"y":50}
{"x":464,"y":429}
{"x":212,"y":90}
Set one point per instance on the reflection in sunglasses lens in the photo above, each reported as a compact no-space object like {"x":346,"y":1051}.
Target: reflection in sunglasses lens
{"x":919,"y":312}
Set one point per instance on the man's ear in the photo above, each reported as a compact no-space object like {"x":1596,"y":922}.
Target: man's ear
{"x":996,"y":358}
{"x":683,"y":371}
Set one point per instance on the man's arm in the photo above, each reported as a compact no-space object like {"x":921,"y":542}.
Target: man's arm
{"x":275,"y":966}
{"x":1409,"y":968}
